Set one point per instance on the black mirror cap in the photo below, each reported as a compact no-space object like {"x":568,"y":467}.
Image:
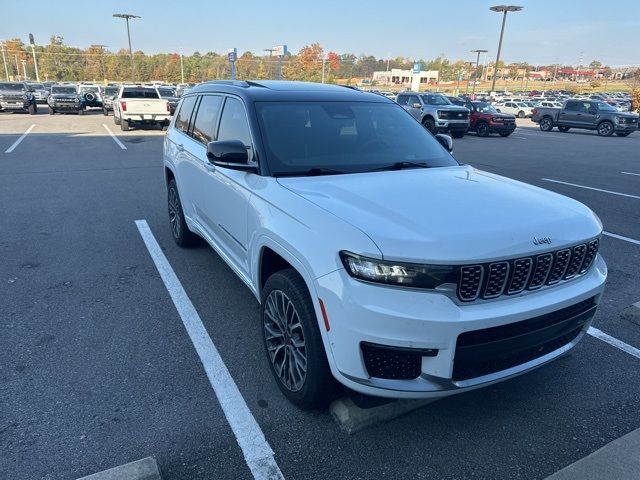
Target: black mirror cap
{"x":446,"y":141}
{"x":229,"y":154}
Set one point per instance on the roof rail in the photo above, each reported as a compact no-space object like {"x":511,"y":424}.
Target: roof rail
{"x":235,"y":83}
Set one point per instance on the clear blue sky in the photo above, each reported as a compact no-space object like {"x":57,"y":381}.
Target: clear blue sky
{"x":546,"y":31}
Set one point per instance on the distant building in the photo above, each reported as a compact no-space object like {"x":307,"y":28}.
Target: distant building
{"x":396,"y":76}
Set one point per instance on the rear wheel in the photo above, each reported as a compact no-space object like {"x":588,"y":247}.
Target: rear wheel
{"x":81,"y":111}
{"x":458,"y":133}
{"x":293,"y":342}
{"x":564,"y":129}
{"x":124,"y":125}
{"x":521,"y":114}
{"x":546,"y":124}
{"x":116,"y":120}
{"x":482,"y":129}
{"x":51,"y":111}
{"x":605,"y":129}
{"x":179,"y":230}
{"x":430,"y":125}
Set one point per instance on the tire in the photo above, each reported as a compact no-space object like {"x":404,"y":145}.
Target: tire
{"x":124,"y":125}
{"x":51,"y":111}
{"x":81,"y":111}
{"x":430,"y":125}
{"x":546,"y":124}
{"x":623,"y":134}
{"x":521,"y":114}
{"x":605,"y":128}
{"x":458,"y":134}
{"x":179,"y":230}
{"x":482,"y":129}
{"x":33,"y":109}
{"x":564,"y":129}
{"x":116,"y":120}
{"x":105,"y":112}
{"x":505,"y":134}
{"x":314,"y":387}
{"x":165,"y":126}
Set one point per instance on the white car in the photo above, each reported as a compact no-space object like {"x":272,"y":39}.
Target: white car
{"x":519,"y":109}
{"x":548,"y":103}
{"x":377,"y":259}
{"x":138,"y":105}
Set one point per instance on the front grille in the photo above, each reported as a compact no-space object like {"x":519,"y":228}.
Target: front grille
{"x":393,"y":362}
{"x":490,"y":350}
{"x":513,"y":276}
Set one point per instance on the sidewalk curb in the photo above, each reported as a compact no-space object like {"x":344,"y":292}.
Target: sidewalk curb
{"x":145,"y":469}
{"x":351,"y":418}
{"x":619,"y":459}
{"x":632,"y":313}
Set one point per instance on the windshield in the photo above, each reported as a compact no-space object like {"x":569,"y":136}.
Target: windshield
{"x":140,"y":93}
{"x":111,"y":90}
{"x":36,"y":86}
{"x":605,"y":107}
{"x":484,"y":107}
{"x":90,"y":89}
{"x":346,"y":136}
{"x":17,"y":87}
{"x":435,"y":100}
{"x":167,"y":92}
{"x":66,"y":90}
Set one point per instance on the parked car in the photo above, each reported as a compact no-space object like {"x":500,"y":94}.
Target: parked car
{"x":485,"y":120}
{"x":586,"y":114}
{"x":519,"y":109}
{"x":376,"y":258}
{"x":17,"y":97}
{"x":39,"y":91}
{"x":91,"y":95}
{"x":108,"y":97}
{"x":169,"y":94}
{"x":138,"y":105}
{"x":435,"y":112}
{"x":65,"y":99}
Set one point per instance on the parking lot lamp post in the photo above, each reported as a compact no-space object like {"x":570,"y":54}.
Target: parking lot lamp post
{"x":35,"y":60}
{"x":24,"y":68}
{"x":127,"y":16}
{"x":17,"y":67}
{"x":270,"y":50}
{"x":4,"y":60}
{"x":181,"y":67}
{"x":478,"y":52}
{"x":504,"y":9}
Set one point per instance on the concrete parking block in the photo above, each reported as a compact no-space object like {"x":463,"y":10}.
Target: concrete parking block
{"x":632,"y":313}
{"x":145,"y":469}
{"x":619,"y":459}
{"x":352,"y":418}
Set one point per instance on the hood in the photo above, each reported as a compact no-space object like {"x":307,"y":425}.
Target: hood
{"x":498,"y":115}
{"x":449,"y":214}
{"x":450,"y":107}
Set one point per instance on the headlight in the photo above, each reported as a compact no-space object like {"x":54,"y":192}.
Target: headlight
{"x":398,"y":273}
{"x":443,"y":114}
{"x":496,"y":119}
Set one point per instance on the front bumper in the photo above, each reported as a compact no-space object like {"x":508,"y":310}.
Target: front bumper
{"x":66,"y":107}
{"x":625,"y":127}
{"x":415,"y":319}
{"x":14,"y":105}
{"x":502,"y":128}
{"x":452,"y":125}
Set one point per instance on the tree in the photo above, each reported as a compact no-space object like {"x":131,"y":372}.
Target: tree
{"x":595,"y":65}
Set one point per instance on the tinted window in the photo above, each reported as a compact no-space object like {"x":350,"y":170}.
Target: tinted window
{"x":403,"y":100}
{"x":572,"y":106}
{"x":139,"y":93}
{"x":186,"y":107}
{"x":435,"y":99}
{"x":346,"y":136}
{"x":234,"y":124}
{"x":413,"y":99}
{"x":206,"y":117}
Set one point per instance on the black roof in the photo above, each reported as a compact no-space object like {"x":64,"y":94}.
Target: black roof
{"x":283,"y":90}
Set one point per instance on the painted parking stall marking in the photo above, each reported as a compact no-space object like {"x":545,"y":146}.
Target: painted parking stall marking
{"x":620,"y":237}
{"x":630,"y":173}
{"x":19,"y":140}
{"x":599,"y":334}
{"x":591,"y":188}
{"x":256,"y":450}
{"x":116,"y":139}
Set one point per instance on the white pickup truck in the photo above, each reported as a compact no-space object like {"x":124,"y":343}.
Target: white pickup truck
{"x":135,"y":105}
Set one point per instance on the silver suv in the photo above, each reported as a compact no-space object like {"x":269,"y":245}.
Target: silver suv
{"x":436,"y":112}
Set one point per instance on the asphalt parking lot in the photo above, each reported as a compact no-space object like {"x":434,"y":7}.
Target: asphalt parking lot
{"x":97,"y":370}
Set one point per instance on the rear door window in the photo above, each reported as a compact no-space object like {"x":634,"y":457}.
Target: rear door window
{"x":184,"y":115}
{"x":403,"y":99}
{"x":206,"y":118}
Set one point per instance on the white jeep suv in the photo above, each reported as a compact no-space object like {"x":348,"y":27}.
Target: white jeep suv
{"x":378,"y":260}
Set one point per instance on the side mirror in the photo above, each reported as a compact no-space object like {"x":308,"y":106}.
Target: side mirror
{"x":416,"y":105}
{"x":229,"y":154}
{"x":446,"y":141}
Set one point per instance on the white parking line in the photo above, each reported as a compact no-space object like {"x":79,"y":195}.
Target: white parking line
{"x":631,"y":173}
{"x":592,"y":188}
{"x":255,"y":448}
{"x":117,"y":140}
{"x":17,"y":142}
{"x":599,"y":334}
{"x":620,"y":237}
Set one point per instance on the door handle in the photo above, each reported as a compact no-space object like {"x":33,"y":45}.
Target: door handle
{"x":180,"y":147}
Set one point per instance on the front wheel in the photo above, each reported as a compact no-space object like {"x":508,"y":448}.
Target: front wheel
{"x":293,"y":343}
{"x":179,"y":230}
{"x":430,"y":125}
{"x":81,"y":111}
{"x":51,"y":111}
{"x":33,"y":109}
{"x":563,"y":129}
{"x":546,"y":124}
{"x":458,"y":134}
{"x":605,"y":129}
{"x":105,"y":112}
{"x":483,"y":129}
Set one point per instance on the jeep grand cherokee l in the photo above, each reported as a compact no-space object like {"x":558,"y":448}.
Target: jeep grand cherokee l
{"x":377,"y":259}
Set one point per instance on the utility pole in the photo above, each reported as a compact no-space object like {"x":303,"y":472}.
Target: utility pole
{"x":504,"y":9}
{"x":270,"y":50}
{"x":35,"y":60}
{"x":4,"y":60}
{"x":323,"y":68}
{"x":17,"y":67}
{"x":473,"y":87}
{"x":181,"y":67}
{"x":127,"y":16}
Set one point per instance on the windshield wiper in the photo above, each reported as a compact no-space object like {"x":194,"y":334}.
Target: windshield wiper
{"x":310,"y":173}
{"x":400,"y":166}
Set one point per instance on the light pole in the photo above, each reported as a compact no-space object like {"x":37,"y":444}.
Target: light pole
{"x":181,"y":66}
{"x":4,"y":60}
{"x":127,"y":16}
{"x":270,"y":50}
{"x":24,"y":68}
{"x":35,"y":60}
{"x":504,"y":9}
{"x":473,"y":87}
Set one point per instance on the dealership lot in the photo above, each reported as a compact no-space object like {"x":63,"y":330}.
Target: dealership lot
{"x":97,"y":369}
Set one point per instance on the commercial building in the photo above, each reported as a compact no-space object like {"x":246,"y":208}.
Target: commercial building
{"x":396,"y":76}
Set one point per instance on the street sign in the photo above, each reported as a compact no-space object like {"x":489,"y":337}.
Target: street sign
{"x":232,"y":54}
{"x":280,"y":50}
{"x":417,"y":68}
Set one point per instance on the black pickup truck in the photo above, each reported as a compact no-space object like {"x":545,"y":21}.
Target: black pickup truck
{"x":586,"y":114}
{"x":17,"y":97}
